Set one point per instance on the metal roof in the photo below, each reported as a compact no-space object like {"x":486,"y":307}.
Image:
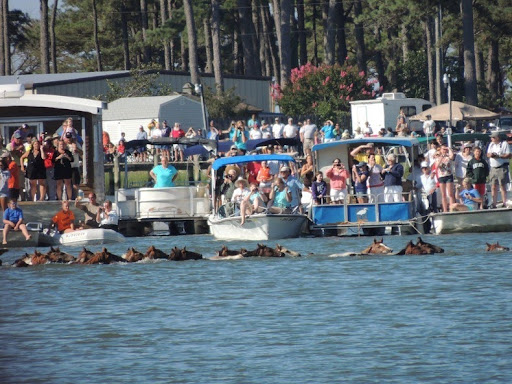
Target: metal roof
{"x":52,"y":101}
{"x":57,"y":77}
{"x":405,"y":141}
{"x":147,"y":107}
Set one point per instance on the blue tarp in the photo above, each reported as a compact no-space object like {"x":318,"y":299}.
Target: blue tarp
{"x":328,"y":214}
{"x":403,"y":141}
{"x":196,"y":150}
{"x":251,"y":145}
{"x":247,"y":159}
{"x":335,"y":214}
{"x":394,"y":211}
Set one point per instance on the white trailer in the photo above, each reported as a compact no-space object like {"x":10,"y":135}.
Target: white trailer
{"x":383,"y":111}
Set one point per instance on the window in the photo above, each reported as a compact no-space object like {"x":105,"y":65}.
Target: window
{"x":408,"y":110}
{"x":424,"y":107}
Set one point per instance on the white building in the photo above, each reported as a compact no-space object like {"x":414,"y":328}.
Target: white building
{"x":127,"y":114}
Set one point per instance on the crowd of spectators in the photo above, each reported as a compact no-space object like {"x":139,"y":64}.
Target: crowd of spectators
{"x":46,"y":167}
{"x":443,"y":176}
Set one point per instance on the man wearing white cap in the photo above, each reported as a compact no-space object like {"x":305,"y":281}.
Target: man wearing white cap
{"x":393,"y":180}
{"x":498,"y":154}
{"x":293,"y":185}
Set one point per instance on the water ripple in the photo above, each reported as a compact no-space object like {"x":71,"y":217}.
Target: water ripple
{"x":394,"y":319}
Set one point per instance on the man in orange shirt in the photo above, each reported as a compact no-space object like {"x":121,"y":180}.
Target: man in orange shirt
{"x":65,"y":219}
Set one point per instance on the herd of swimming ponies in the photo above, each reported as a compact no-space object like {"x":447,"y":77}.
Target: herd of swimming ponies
{"x":55,"y":255}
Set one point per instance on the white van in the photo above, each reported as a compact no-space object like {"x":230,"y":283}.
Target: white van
{"x":383,"y":111}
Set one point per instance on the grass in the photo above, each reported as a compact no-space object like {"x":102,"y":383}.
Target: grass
{"x":139,"y":179}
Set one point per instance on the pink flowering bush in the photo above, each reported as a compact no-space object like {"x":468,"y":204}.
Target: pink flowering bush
{"x":324,"y":91}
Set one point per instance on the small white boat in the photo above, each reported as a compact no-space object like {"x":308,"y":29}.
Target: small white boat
{"x":257,"y":227}
{"x":487,"y":220}
{"x":93,"y":236}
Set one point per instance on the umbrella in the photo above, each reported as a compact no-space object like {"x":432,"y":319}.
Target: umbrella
{"x":460,"y":111}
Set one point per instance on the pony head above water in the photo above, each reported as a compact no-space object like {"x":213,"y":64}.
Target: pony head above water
{"x":377,"y":248}
{"x":496,"y":247}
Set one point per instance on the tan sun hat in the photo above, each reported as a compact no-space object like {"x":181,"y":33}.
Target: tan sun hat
{"x":245,"y":182}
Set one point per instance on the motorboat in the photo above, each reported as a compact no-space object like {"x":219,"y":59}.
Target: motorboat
{"x":83,"y":237}
{"x":258,"y":227}
{"x":486,"y":220}
{"x":375,"y":217}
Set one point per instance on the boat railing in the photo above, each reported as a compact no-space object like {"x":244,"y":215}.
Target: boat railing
{"x":374,"y":210}
{"x":163,"y":203}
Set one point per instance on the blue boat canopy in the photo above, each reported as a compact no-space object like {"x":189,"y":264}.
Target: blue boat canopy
{"x":403,"y":141}
{"x":223,"y":161}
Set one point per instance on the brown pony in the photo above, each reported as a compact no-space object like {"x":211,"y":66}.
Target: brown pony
{"x":420,"y":248}
{"x":224,"y":252}
{"x":132,"y":255}
{"x":377,"y":248}
{"x":264,"y":251}
{"x":155,"y":253}
{"x":105,"y":257}
{"x":178,"y":254}
{"x":496,"y":247}
{"x":55,"y":255}
{"x":84,"y":256}
{"x":39,"y":259}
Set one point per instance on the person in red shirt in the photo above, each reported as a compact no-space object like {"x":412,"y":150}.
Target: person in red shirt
{"x":64,"y":219}
{"x":177,"y":133}
{"x":51,"y":184}
{"x":14,"y":180}
{"x":252,"y":172}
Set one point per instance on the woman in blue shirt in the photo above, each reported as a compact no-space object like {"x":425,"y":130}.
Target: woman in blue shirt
{"x":164,"y":174}
{"x":469,"y":198}
{"x":328,"y":132}
{"x":280,"y":197}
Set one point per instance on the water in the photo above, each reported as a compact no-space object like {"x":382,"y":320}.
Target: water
{"x":315,"y":319}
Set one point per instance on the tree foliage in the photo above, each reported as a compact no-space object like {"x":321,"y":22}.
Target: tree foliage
{"x":324,"y":91}
{"x":140,"y":83}
{"x":221,"y":105}
{"x":389,"y":36}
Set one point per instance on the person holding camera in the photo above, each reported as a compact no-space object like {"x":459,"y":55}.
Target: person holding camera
{"x":240,"y":136}
{"x":469,"y":198}
{"x":338,"y":176}
{"x":392,"y":175}
{"x":228,"y":186}
{"x":498,"y":154}
{"x":360,"y":174}
{"x":280,"y":198}
{"x":106,"y":217}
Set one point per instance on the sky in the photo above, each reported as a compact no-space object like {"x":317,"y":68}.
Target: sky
{"x":28,"y":6}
